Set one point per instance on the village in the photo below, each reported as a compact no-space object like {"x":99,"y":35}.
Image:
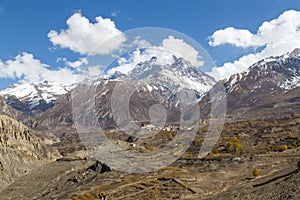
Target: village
{"x":170,"y":127}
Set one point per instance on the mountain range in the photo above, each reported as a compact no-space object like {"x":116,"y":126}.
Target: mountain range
{"x":30,"y":97}
{"x":37,"y":124}
{"x":270,"y":84}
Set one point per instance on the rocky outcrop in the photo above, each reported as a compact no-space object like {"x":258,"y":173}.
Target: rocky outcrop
{"x":21,"y":151}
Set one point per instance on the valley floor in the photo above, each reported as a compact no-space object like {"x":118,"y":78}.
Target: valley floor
{"x":227,"y":178}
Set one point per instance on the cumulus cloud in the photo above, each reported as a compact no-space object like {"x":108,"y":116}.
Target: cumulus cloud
{"x":181,"y":49}
{"x":237,"y":37}
{"x":169,"y":46}
{"x":275,"y":37}
{"x":82,"y":36}
{"x":29,"y":69}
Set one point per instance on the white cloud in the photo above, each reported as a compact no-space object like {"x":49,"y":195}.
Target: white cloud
{"x":29,"y":69}
{"x":125,"y":65}
{"x":276,"y":37}
{"x":75,"y":64}
{"x":237,"y":37}
{"x":82,"y":36}
{"x":181,"y":49}
{"x":164,"y":53}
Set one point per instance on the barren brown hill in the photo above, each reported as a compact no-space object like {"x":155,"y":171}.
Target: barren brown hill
{"x":21,"y":151}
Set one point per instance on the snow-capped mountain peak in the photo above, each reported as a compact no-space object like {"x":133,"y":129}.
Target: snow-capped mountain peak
{"x":281,"y":72}
{"x":179,"y":74}
{"x":34,"y":96}
{"x":154,"y":83}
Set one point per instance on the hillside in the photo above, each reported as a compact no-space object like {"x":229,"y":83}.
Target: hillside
{"x":21,"y":151}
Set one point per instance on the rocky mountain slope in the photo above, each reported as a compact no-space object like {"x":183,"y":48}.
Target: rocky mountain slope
{"x":271,"y":86}
{"x":154,"y":84}
{"x":9,"y":111}
{"x":30,"y":97}
{"x":21,"y":151}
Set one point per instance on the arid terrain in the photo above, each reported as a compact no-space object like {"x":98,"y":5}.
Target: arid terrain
{"x":256,"y":156}
{"x":227,"y":172}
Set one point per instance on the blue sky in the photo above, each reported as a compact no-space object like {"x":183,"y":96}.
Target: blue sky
{"x":25,"y":24}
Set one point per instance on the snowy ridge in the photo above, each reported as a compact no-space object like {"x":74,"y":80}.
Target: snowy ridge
{"x":283,"y":71}
{"x":181,"y":74}
{"x":154,"y":83}
{"x":32,"y":95}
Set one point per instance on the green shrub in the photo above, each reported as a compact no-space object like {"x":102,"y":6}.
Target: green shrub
{"x":294,"y":144}
{"x":255,"y":172}
{"x":290,"y":134}
{"x":234,"y":146}
{"x":170,"y":136}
